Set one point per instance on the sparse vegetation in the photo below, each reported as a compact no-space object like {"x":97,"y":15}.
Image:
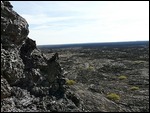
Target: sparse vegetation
{"x":115,"y":71}
{"x":113,"y":96}
{"x":133,"y":88}
{"x":138,"y":62}
{"x":122,"y":77}
{"x":90,"y":68}
{"x":70,"y":82}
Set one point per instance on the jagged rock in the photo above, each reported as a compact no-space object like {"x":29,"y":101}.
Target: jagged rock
{"x":74,"y":98}
{"x":38,"y":59}
{"x":28,"y":77}
{"x":5,"y":88}
{"x":54,"y":58}
{"x":53,"y":71}
{"x":14,"y":28}
{"x":28,"y":46}
{"x":58,"y":87}
{"x":11,"y":65}
{"x":40,"y":91}
{"x":6,"y":3}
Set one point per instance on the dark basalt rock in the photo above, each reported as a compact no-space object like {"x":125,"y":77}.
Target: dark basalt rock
{"x":5,"y":88}
{"x":28,"y":77}
{"x":14,"y":28}
{"x":98,"y":72}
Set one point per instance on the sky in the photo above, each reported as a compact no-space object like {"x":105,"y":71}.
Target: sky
{"x":67,"y":22}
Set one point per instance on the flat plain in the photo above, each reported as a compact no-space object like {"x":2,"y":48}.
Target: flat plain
{"x":107,"y":78}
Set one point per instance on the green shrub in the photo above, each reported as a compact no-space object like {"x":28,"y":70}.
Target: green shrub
{"x":113,"y":96}
{"x":70,"y":82}
{"x":133,"y":88}
{"x":90,"y":68}
{"x":122,"y":77}
{"x":138,"y":62}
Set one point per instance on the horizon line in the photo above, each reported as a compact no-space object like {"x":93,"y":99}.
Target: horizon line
{"x":92,"y":43}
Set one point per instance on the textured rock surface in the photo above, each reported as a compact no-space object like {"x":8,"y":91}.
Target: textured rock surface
{"x":29,"y":80}
{"x":5,"y":88}
{"x":97,"y":72}
{"x":14,"y":28}
{"x":34,"y":82}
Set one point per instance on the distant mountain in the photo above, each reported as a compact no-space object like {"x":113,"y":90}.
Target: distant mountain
{"x":89,"y":45}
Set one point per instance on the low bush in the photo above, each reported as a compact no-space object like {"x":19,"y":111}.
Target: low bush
{"x":122,"y":77}
{"x":70,"y":82}
{"x":133,"y":88}
{"x":113,"y":96}
{"x":91,"y":68}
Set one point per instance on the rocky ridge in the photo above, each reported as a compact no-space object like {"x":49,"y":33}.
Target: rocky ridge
{"x":29,"y":80}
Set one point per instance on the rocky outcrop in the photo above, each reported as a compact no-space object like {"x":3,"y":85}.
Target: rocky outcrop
{"x":14,"y":28}
{"x":29,"y":80}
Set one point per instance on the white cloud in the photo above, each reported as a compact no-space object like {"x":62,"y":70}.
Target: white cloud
{"x":58,"y":22}
{"x":90,"y":33}
{"x":42,"y":19}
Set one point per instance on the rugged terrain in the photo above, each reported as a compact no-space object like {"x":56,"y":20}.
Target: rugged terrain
{"x":81,"y":79}
{"x":101,"y":71}
{"x":30,"y":81}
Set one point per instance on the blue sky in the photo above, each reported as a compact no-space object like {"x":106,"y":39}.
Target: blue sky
{"x":64,"y":22}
